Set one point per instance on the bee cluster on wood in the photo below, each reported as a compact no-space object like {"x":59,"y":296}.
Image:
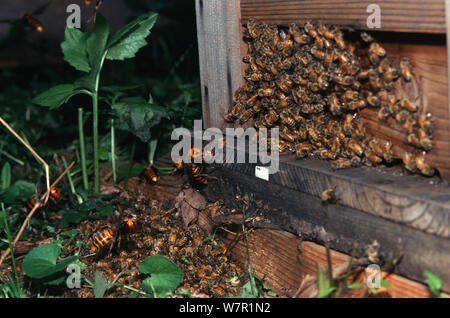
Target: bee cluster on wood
{"x":310,"y":83}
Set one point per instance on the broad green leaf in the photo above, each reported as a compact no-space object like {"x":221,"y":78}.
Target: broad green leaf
{"x":96,"y":49}
{"x":75,"y":50}
{"x":138,"y":117}
{"x":96,"y":42}
{"x":19,"y":192}
{"x":165,"y":276}
{"x":128,"y":40}
{"x":6,"y":176}
{"x":100,"y":285}
{"x":57,"y":95}
{"x":434,"y":282}
{"x":40,"y":262}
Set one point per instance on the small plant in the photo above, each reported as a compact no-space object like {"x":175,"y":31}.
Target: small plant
{"x":165,"y":276}
{"x":41,"y":265}
{"x":434,"y":284}
{"x":87,"y":53}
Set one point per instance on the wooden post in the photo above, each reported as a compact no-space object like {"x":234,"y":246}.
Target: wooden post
{"x":218,"y":31}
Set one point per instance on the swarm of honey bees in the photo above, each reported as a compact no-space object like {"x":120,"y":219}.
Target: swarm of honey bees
{"x":312,"y":84}
{"x":144,"y":228}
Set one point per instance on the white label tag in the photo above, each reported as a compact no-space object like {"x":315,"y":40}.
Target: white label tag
{"x":262,"y":173}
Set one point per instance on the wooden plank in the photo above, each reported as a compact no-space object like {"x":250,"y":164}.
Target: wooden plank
{"x":400,"y":16}
{"x":218,"y":30}
{"x":275,"y":255}
{"x":447,"y":24}
{"x":429,"y":87}
{"x":341,"y":226}
{"x":401,"y":287}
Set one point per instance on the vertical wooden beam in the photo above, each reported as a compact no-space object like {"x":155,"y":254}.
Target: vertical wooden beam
{"x":218,"y":31}
{"x":447,"y":27}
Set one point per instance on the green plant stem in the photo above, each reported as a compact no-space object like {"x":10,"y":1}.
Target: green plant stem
{"x":69,"y":176}
{"x":95,"y":126}
{"x":113,"y":152}
{"x":130,"y":166}
{"x":8,"y":235}
{"x":96,"y":157}
{"x":82,"y":149}
{"x":18,"y":161}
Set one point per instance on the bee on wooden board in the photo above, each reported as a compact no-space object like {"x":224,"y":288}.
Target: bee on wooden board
{"x":405,"y":69}
{"x":328,"y":196}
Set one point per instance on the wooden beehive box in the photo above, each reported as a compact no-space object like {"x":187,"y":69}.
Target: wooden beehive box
{"x":406,"y":214}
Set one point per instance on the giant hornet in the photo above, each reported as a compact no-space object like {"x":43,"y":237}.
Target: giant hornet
{"x":55,"y":194}
{"x":110,"y":235}
{"x":196,"y":171}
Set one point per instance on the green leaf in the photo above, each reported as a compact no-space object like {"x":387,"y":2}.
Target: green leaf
{"x":6,"y":176}
{"x":128,"y":40}
{"x":40,"y":263}
{"x":326,"y":292}
{"x":138,"y":117}
{"x":384,"y":283}
{"x":96,"y":42}
{"x":434,"y":282}
{"x":74,"y":49}
{"x":355,"y":286}
{"x":19,"y":192}
{"x":96,"y":50}
{"x":101,"y":285}
{"x":165,"y":276}
{"x":57,"y":95}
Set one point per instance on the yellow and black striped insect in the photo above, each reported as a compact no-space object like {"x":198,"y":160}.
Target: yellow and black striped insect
{"x":32,"y":21}
{"x":198,"y":178}
{"x":102,"y":239}
{"x":55,"y":193}
{"x":111,"y":235}
{"x":151,"y":174}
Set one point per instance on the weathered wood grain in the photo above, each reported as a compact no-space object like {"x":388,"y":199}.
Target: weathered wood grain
{"x":338,"y":225}
{"x":428,"y":87}
{"x":218,"y":31}
{"x":400,"y":16}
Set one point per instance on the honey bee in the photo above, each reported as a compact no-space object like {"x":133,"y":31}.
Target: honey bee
{"x":341,"y":163}
{"x":402,"y":116}
{"x":303,"y":149}
{"x":377,"y":49}
{"x":414,"y":140}
{"x":348,"y":124}
{"x":318,"y":54}
{"x":424,"y":139}
{"x":237,"y":109}
{"x":229,"y":118}
{"x":246,"y":115}
{"x":355,"y":147}
{"x":288,"y":136}
{"x":387,"y":152}
{"x":328,"y":196}
{"x":424,"y":168}
{"x":424,"y":122}
{"x":343,"y":80}
{"x":310,"y":29}
{"x":384,"y":113}
{"x":271,"y":117}
{"x":408,"y":105}
{"x":150,"y":174}
{"x":384,"y":65}
{"x":373,"y":100}
{"x":265,"y":92}
{"x":405,"y":69}
{"x":391,"y":75}
{"x":287,"y":119}
{"x":335,"y":105}
{"x":409,"y":162}
{"x":366,"y":37}
{"x":372,"y":157}
{"x":253,"y":28}
{"x":355,"y":161}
